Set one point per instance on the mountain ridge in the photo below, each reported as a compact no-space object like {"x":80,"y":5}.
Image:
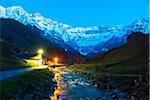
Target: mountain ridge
{"x":87,"y":40}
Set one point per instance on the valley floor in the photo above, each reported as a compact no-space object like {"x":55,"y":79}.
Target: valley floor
{"x":40,"y":84}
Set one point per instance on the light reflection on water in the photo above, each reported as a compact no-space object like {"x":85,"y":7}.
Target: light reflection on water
{"x":58,"y":91}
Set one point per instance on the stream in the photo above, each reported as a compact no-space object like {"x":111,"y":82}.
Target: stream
{"x":74,"y":87}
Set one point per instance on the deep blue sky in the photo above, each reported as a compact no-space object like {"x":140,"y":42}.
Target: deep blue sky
{"x":85,"y":12}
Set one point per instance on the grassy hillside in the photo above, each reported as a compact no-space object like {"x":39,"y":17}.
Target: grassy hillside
{"x":129,"y":58}
{"x":32,"y":85}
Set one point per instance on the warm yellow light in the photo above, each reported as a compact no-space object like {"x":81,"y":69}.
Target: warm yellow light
{"x":40,"y":51}
{"x":55,"y":60}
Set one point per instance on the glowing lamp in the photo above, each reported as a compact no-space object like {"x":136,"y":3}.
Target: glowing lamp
{"x":55,"y":60}
{"x":40,"y":51}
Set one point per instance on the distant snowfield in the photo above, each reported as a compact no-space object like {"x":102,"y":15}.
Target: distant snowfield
{"x":86,"y":40}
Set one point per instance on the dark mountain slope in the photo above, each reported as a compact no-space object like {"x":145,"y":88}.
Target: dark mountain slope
{"x":26,"y":37}
{"x":127,"y":58}
{"x":29,"y":38}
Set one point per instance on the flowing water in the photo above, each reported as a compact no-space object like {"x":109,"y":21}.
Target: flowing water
{"x":74,"y":87}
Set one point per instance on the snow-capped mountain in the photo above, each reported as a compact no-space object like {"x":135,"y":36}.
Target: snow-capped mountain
{"x":85,"y":40}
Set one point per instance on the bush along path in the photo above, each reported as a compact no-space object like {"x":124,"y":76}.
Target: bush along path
{"x":33,"y":85}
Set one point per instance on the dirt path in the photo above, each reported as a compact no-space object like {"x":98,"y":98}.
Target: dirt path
{"x":13,"y":73}
{"x":107,"y":74}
